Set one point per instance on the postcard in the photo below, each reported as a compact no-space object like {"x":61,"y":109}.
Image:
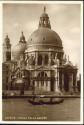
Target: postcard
{"x":42,"y":62}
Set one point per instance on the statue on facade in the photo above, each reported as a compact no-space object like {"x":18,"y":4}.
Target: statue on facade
{"x":31,"y":60}
{"x":21,"y":62}
{"x":56,"y":60}
{"x":26,"y":59}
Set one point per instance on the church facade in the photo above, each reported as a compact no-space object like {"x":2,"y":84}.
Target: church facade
{"x":39,"y":65}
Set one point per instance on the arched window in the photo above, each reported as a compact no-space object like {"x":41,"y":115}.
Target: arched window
{"x":42,"y":74}
{"x":46,"y":60}
{"x":42,"y":78}
{"x":45,"y":75}
{"x":39,"y":59}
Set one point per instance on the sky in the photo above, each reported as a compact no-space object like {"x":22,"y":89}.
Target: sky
{"x":65,"y":19}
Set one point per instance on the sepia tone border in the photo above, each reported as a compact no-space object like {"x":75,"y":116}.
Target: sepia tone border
{"x":1,"y":39}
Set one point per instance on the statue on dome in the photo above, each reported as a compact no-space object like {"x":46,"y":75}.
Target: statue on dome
{"x":44,"y":9}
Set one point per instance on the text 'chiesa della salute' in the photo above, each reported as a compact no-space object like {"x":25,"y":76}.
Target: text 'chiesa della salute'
{"x":39,"y":65}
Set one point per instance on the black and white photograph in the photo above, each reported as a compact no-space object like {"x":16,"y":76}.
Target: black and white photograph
{"x":41,"y":62}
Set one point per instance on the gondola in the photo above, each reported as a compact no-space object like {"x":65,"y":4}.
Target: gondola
{"x":42,"y":100}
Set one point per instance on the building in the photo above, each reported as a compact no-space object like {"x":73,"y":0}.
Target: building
{"x":39,"y":65}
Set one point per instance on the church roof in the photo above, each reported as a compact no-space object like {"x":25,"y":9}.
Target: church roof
{"x":19,"y":48}
{"x":44,"y":35}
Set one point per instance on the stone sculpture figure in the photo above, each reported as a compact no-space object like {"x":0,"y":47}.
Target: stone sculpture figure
{"x":31,"y":60}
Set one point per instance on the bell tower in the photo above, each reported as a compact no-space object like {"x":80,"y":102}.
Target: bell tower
{"x":6,"y":49}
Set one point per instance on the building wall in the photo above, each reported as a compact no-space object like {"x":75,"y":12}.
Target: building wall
{"x":32,"y":63}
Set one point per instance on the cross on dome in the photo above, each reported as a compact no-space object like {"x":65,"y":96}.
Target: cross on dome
{"x":22,"y":33}
{"x":44,"y":9}
{"x":22,"y":38}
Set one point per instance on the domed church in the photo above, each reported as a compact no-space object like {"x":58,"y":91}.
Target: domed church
{"x":38,"y":64}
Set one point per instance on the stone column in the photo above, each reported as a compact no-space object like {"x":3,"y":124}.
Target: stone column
{"x":55,"y":80}
{"x":43,"y":59}
{"x":36,"y":58}
{"x":56,"y":84}
{"x":49,"y":58}
{"x":76,"y":84}
{"x":35,"y":83}
{"x":75,"y":81}
{"x":58,"y":76}
{"x":39,"y":84}
{"x":62,"y":82}
{"x":48,"y":86}
{"x":27,"y":60}
{"x":71,"y":82}
{"x":45,"y":85}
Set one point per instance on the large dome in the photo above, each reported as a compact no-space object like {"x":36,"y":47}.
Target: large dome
{"x":19,"y":49}
{"x":45,"y":37}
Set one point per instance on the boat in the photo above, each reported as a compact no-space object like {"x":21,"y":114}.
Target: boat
{"x":45,"y":97}
{"x":35,"y":101}
{"x":42,"y":99}
{"x":52,"y":101}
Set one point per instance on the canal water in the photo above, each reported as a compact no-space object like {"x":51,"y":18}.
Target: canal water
{"x":22,"y":110}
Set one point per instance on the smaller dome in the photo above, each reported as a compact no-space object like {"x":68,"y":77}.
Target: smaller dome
{"x":19,"y":49}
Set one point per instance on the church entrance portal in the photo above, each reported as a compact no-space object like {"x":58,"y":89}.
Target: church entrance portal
{"x":42,"y":82}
